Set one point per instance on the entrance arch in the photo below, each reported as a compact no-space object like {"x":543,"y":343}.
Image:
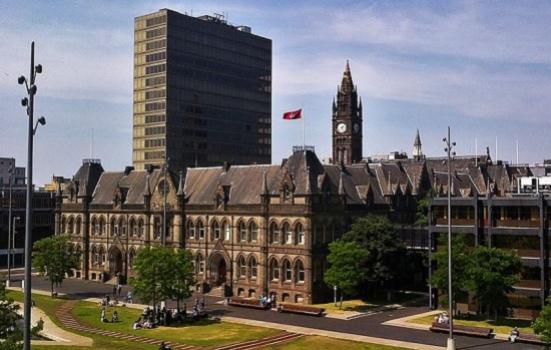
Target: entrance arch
{"x":218,"y":269}
{"x":115,"y":261}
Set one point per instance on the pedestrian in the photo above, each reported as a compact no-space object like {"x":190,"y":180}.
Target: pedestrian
{"x":129,"y":297}
{"x":102,"y":316}
{"x":114,"y":291}
{"x":203,"y":303}
{"x":119,"y":289}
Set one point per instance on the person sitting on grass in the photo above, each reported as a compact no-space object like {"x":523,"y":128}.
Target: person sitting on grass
{"x":115,"y":317}
{"x":103,"y":319}
{"x":137,"y":324}
{"x":514,"y":335}
{"x":164,"y":346}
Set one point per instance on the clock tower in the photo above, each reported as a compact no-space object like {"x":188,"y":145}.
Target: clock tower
{"x":347,"y":122}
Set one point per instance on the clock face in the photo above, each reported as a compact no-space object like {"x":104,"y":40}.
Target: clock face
{"x":356,"y":128}
{"x":341,"y":128}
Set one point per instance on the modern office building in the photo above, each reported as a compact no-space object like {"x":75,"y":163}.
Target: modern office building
{"x":202,"y":92}
{"x":6,"y":166}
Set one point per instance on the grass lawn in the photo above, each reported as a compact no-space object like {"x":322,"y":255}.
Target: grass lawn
{"x":49,"y":306}
{"x":503,"y":325}
{"x":358,"y":305}
{"x":317,"y":343}
{"x":205,"y":333}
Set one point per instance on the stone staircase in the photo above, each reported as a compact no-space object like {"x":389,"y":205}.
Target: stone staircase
{"x":216,"y":292}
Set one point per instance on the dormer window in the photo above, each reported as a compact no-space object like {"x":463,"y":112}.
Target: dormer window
{"x":286,"y":193}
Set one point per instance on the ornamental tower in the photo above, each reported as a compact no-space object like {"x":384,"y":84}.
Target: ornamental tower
{"x":347,"y":122}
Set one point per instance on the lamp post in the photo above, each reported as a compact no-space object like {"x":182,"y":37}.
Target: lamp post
{"x":448,"y":149}
{"x":15,"y":218}
{"x":335,"y":294}
{"x":28,"y":102}
{"x":10,"y":181}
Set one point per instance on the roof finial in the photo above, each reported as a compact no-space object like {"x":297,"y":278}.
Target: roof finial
{"x":264,"y":188}
{"x":181,"y":184}
{"x":341,"y":184}
{"x":147,"y":191}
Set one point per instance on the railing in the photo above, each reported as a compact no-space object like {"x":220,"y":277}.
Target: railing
{"x":444,"y":221}
{"x":517,"y":223}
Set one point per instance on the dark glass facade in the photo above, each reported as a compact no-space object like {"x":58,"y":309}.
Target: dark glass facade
{"x":202,"y":92}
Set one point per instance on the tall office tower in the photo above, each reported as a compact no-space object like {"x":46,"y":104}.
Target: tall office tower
{"x":202,"y":92}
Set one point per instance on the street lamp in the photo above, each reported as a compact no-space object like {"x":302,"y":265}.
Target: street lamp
{"x":28,"y":102}
{"x":448,"y":150}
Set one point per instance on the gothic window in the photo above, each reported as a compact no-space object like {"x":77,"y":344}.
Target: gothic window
{"x":274,"y":233}
{"x":201,"y":229}
{"x":191,"y":229}
{"x":242,"y":267}
{"x":79,"y":254}
{"x":131,"y":257}
{"x":101,"y":256}
{"x":287,"y":271}
{"x":121,"y":226}
{"x":114,"y":228}
{"x":200,"y":264}
{"x":253,"y":267}
{"x":299,"y":234}
{"x":140,"y":227}
{"x":227,"y":231}
{"x":242,"y":232}
{"x":95,"y":256}
{"x":215,"y":230}
{"x":287,"y":234}
{"x":95,"y":226}
{"x":157,"y":227}
{"x":71,"y":225}
{"x":103,"y":226}
{"x":274,"y":270}
{"x":133,"y":227}
{"x":78,"y":225}
{"x":63,"y":224}
{"x":286,"y":193}
{"x":299,"y":271}
{"x":253,"y":231}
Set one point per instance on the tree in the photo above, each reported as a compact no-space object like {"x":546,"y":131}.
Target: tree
{"x":492,"y":274}
{"x":422,"y":212}
{"x":383,"y":245}
{"x":542,"y":324}
{"x":183,"y":276}
{"x":347,"y":267}
{"x":460,"y":268}
{"x":154,"y":268}
{"x":53,"y":259}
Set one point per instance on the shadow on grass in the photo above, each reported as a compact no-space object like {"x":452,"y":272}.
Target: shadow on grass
{"x":501,"y":321}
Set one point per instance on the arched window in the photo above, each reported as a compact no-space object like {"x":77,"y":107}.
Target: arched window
{"x":287,"y":271}
{"x":157,"y":228}
{"x":200,"y":264}
{"x":274,"y":233}
{"x":274,"y":270}
{"x":253,"y":268}
{"x":299,"y":271}
{"x":215,"y":230}
{"x":242,"y":267}
{"x":201,"y":229}
{"x":114,"y":228}
{"x":242,"y":232}
{"x":121,"y":224}
{"x":131,"y":257}
{"x":78,"y":225}
{"x":140,"y":227}
{"x":71,"y":226}
{"x":287,"y":234}
{"x":227,"y":231}
{"x":95,"y":226}
{"x":94,"y":255}
{"x":191,"y":230}
{"x":133,"y":228}
{"x":253,"y":231}
{"x":63,"y":224}
{"x":299,"y":231}
{"x":101,"y":256}
{"x":79,"y":254}
{"x":102,"y":226}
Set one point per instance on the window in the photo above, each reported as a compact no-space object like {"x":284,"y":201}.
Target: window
{"x":103,"y":226}
{"x":114,"y":228}
{"x":155,"y":81}
{"x":95,"y":256}
{"x":299,"y":233}
{"x":227,"y":231}
{"x":155,"y":32}
{"x":201,"y":229}
{"x":155,"y":118}
{"x":288,"y":234}
{"x":253,"y":231}
{"x":157,"y":229}
{"x":287,"y":271}
{"x":101,"y":256}
{"x":95,"y":226}
{"x":299,"y":272}
{"x":78,"y":226}
{"x":191,"y":230}
{"x":131,"y":256}
{"x":215,"y":231}
{"x":158,"y":68}
{"x":155,"y":57}
{"x":154,"y":106}
{"x":155,"y":20}
{"x":140,"y":227}
{"x":133,"y":227}
{"x":242,"y":267}
{"x":200,"y":264}
{"x":274,"y":270}
{"x":63,"y":225}
{"x":253,"y":267}
{"x":274,"y":233}
{"x":242,"y":232}
{"x":71,"y":226}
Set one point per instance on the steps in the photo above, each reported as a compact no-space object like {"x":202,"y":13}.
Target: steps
{"x":216,"y":292}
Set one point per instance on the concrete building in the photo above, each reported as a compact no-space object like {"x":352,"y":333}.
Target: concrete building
{"x":202,"y":92}
{"x":6,"y":166}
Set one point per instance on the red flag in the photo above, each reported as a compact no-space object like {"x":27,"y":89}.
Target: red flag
{"x":293,"y":115}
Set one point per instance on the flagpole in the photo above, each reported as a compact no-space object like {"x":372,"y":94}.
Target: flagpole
{"x":304,"y":132}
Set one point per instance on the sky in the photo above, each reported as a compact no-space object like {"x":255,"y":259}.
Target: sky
{"x":481,"y":67}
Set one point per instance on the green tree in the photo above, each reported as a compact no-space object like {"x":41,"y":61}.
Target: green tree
{"x":53,"y":259}
{"x":422,"y":212}
{"x":183,"y":276}
{"x":542,"y":324}
{"x":492,"y":274}
{"x":460,"y":268}
{"x":385,"y":249}
{"x":154,"y":271}
{"x":10,"y":334}
{"x":347,"y":267}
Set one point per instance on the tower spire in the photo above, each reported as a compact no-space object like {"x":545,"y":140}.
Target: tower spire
{"x":417,"y":150}
{"x":347,"y":84}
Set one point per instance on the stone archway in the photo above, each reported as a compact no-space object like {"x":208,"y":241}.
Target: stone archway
{"x":115,"y":262}
{"x":218,"y":269}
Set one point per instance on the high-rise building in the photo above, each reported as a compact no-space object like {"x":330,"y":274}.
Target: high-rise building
{"x":202,"y":92}
{"x":9,"y":170}
{"x":347,"y":122}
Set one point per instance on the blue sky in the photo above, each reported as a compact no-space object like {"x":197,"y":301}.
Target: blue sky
{"x":483,"y":67}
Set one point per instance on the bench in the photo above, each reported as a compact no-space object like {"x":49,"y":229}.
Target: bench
{"x":462,"y":330}
{"x":529,"y":339}
{"x":300,"y":309}
{"x":250,"y":303}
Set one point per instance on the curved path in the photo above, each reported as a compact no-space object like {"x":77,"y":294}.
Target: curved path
{"x":65,"y":316}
